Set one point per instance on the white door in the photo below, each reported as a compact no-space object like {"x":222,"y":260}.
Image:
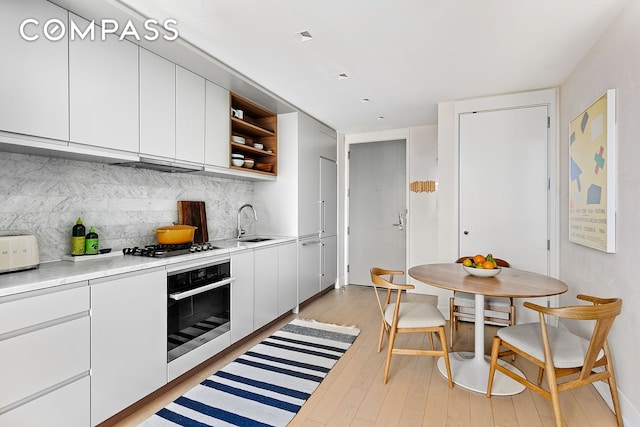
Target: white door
{"x":377,"y":208}
{"x":504,"y":188}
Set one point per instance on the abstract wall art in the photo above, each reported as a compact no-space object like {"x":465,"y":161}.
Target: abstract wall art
{"x":592,"y":170}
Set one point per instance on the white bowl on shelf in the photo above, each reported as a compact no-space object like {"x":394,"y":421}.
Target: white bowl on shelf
{"x":237,"y":162}
{"x":248,"y":163}
{"x":237,"y":156}
{"x":482,"y":272}
{"x":238,"y":139}
{"x":258,"y":145}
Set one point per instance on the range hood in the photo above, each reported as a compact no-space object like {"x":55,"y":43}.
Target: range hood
{"x":162,"y":165}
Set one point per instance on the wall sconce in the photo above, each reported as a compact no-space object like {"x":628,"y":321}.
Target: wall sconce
{"x":423,"y":186}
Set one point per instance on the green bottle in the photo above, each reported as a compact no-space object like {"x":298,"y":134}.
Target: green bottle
{"x":77,"y":238}
{"x":91,"y":242}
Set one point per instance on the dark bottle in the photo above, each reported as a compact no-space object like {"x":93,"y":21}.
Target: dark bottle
{"x":91,"y":242}
{"x":78,"y":238}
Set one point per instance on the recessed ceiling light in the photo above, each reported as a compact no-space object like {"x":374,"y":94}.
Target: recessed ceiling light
{"x":364,"y":100}
{"x":305,"y":36}
{"x":342,"y":76}
{"x":380,"y":117}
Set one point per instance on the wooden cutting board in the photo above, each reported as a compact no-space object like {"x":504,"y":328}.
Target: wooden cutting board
{"x":194,"y":213}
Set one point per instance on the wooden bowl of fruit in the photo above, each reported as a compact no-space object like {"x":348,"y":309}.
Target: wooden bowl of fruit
{"x":481,"y":266}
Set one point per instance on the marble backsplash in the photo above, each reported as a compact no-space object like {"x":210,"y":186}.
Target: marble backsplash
{"x":44,"y":196}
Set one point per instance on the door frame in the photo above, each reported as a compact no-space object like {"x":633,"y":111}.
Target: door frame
{"x":365,"y":138}
{"x":448,"y":186}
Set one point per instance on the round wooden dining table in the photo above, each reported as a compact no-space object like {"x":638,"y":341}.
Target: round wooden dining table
{"x":471,"y":370}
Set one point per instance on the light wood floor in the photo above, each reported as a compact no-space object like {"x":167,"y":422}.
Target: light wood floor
{"x":416,"y":395}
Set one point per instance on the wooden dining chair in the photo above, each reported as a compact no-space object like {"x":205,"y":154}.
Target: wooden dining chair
{"x":407,"y":317}
{"x":558,"y":352}
{"x":462,"y":306}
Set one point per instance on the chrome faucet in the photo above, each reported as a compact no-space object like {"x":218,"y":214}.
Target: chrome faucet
{"x":241,"y":230}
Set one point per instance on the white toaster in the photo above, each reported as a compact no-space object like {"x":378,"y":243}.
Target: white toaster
{"x":18,"y":253}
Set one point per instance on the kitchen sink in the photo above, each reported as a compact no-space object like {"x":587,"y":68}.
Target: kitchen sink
{"x":255,"y":239}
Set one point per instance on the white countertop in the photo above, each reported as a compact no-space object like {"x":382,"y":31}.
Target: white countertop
{"x":58,"y":273}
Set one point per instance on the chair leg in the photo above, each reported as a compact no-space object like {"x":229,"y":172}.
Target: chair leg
{"x":392,"y":339}
{"x":451,"y":322}
{"x":552,"y":383}
{"x":495,"y":352}
{"x":382,"y":331}
{"x":443,"y":344}
{"x":613,"y":386}
{"x":431,"y":339}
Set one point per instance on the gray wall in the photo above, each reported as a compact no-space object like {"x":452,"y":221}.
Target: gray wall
{"x":44,"y":196}
{"x":613,"y":63}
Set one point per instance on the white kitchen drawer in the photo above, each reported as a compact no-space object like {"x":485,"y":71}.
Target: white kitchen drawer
{"x":39,"y":307}
{"x":43,"y":358}
{"x":65,"y":407}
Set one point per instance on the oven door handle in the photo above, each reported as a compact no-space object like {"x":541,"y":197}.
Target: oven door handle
{"x":186,"y":294}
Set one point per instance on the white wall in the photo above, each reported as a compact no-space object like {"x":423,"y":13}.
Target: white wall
{"x":613,"y":63}
{"x":423,"y":216}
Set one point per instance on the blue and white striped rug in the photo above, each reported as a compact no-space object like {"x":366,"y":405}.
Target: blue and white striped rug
{"x":267,"y":385}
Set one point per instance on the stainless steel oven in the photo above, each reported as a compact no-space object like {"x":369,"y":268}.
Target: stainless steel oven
{"x":198,"y":306}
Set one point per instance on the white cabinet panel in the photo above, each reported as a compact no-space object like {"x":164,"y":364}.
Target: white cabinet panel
{"x":157,"y":105}
{"x":65,"y":407}
{"x":128,"y":340}
{"x":265,"y":286}
{"x":287,"y":277}
{"x":41,"y":359}
{"x":103,"y":91}
{"x":328,"y":143}
{"x":217,"y":128}
{"x":241,"y":295}
{"x":329,"y":262}
{"x":308,"y":268}
{"x":43,"y":307}
{"x":190,"y":116}
{"x":308,"y":176}
{"x":34,"y":93}
{"x":328,"y":197}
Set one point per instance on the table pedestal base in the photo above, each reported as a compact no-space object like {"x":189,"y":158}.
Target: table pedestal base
{"x":472,"y":373}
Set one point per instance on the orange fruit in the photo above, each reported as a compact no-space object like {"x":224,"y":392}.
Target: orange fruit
{"x":479,"y":259}
{"x":489,"y":264}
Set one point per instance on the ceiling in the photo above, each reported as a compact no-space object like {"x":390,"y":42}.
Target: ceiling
{"x":404,"y":56}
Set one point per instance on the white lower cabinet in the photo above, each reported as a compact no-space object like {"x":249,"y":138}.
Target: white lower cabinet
{"x":287,"y":277}
{"x":265,"y":286}
{"x":67,"y":406}
{"x":128,"y":340}
{"x":241,"y":295}
{"x":44,"y":343}
{"x":328,"y":262}
{"x":309,"y":251}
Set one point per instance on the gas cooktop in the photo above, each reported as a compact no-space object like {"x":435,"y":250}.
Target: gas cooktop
{"x":161,"y":251}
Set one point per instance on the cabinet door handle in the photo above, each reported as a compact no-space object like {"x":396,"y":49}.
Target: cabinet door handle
{"x":315,"y":242}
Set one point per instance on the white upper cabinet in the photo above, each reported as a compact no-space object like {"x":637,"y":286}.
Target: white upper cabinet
{"x":190,"y":116}
{"x":328,"y":143}
{"x":157,"y":105}
{"x":103,"y":90}
{"x":308,"y":176}
{"x":217,"y":132}
{"x":34,"y":79}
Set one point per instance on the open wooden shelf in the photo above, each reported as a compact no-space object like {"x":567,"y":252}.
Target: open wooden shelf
{"x":257,"y":125}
